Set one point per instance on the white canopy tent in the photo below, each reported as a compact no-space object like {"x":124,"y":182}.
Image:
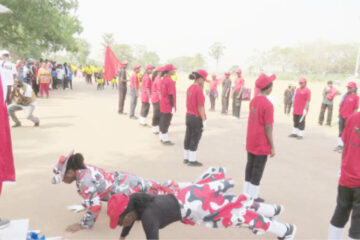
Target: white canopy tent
{"x":4,"y":9}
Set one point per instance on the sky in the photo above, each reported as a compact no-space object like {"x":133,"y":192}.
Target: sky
{"x":175,"y":28}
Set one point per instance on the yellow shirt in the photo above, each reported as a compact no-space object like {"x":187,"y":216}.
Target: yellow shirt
{"x":44,"y":75}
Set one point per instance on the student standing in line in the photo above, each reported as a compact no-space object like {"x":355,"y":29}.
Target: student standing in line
{"x":134,"y":91}
{"x":288,"y":95}
{"x":301,"y":107}
{"x":195,"y":117}
{"x":237,"y":94}
{"x":226,"y":87}
{"x":329,"y":93}
{"x":348,"y":105}
{"x":122,"y":86}
{"x":167,"y":102}
{"x":44,"y":79}
{"x":213,"y":92}
{"x":155,"y":99}
{"x":348,"y":196}
{"x":259,"y":139}
{"x":145,"y":94}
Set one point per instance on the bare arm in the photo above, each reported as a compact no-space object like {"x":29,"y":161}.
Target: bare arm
{"x":269,"y":136}
{"x":307,"y":104}
{"x":202,"y":112}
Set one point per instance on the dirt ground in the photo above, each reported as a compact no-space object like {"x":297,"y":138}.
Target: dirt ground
{"x":302,"y":176}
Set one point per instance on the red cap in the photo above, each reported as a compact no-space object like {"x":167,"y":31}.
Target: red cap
{"x":203,"y":74}
{"x":351,"y":85}
{"x":149,"y":67}
{"x":227,"y":73}
{"x":116,"y":206}
{"x":302,"y":80}
{"x":168,"y":67}
{"x":159,"y":69}
{"x":238,"y":71}
{"x":124,"y":63}
{"x":136,"y":67}
{"x":213,"y":77}
{"x":264,"y":80}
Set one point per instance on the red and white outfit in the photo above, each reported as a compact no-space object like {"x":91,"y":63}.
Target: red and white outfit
{"x":155,"y":100}
{"x":134,"y":90}
{"x":145,"y":96}
{"x":302,"y":96}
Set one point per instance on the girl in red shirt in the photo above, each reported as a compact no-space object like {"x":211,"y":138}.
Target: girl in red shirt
{"x":237,"y":94}
{"x":167,"y":102}
{"x":145,"y":95}
{"x":213,"y":92}
{"x":155,"y":100}
{"x":195,"y":117}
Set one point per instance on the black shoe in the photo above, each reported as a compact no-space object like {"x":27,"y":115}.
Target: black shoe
{"x":16,"y":125}
{"x":259,"y":199}
{"x":299,"y":137}
{"x":168,"y":143}
{"x":293,"y":135}
{"x":195,"y":164}
{"x":290,"y":232}
{"x":186,"y":161}
{"x":37,"y":124}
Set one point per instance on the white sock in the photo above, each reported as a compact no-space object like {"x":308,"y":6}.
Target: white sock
{"x":154,"y":129}
{"x":192,"y":156}
{"x":301,"y":133}
{"x":340,"y":142}
{"x":266,"y":210}
{"x":165,"y":137}
{"x":186,"y":154}
{"x":246,"y":188}
{"x":279,"y":229}
{"x":335,"y":233}
{"x":253,"y":191}
{"x":141,"y":120}
{"x":295,"y":131}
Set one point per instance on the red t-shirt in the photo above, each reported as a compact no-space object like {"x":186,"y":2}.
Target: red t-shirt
{"x":349,"y":105}
{"x":167,"y":87}
{"x":155,"y":90}
{"x":146,"y":84}
{"x":302,"y":95}
{"x":239,"y":83}
{"x":213,"y":85}
{"x":134,"y":81}
{"x":261,"y":113}
{"x":350,"y":165}
{"x":194,"y":98}
{"x":256,"y":92}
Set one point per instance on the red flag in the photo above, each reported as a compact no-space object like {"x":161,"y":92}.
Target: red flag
{"x":112,"y":64}
{"x":7,"y":170}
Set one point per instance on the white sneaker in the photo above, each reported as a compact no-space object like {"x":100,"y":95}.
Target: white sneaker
{"x":290,"y":232}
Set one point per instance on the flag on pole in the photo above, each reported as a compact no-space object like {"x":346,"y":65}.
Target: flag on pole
{"x":112,"y":65}
{"x":7,"y":170}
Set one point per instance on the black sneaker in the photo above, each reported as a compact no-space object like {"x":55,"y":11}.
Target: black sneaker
{"x":290,"y":232}
{"x":4,"y":223}
{"x":186,"y":161}
{"x":37,"y":124}
{"x":16,"y":125}
{"x":279,"y":209}
{"x":293,"y":135}
{"x":195,"y":164}
{"x":259,"y":199}
{"x":168,"y":143}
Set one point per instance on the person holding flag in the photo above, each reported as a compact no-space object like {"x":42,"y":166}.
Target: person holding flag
{"x":146,"y":94}
{"x":134,"y":91}
{"x":301,"y":107}
{"x":349,"y":104}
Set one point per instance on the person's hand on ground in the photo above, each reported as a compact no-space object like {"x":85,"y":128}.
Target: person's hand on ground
{"x":73,"y":228}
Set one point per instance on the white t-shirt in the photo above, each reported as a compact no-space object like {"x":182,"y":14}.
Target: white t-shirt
{"x":7,"y":71}
{"x":60,"y":73}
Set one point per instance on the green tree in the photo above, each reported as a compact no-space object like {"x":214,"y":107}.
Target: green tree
{"x":83,"y":51}
{"x":124,"y":52}
{"x":197,"y":62}
{"x":217,"y":51}
{"x":37,"y":26}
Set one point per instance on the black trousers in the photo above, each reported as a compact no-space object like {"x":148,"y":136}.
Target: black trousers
{"x":156,"y":114}
{"x":212,"y":99}
{"x":145,"y":107}
{"x":122,"y":95}
{"x":225,"y":104}
{"x":35,"y":88}
{"x":70,"y":83}
{"x":329,"y":114}
{"x":255,"y":168}
{"x":236,"y":104}
{"x":298,"y":124}
{"x":54,"y":85}
{"x":165,"y":120}
{"x":348,"y":201}
{"x":194,"y":129}
{"x":287,"y":107}
{"x":342,"y":123}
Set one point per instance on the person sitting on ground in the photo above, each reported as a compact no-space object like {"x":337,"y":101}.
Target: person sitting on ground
{"x":24,"y":99}
{"x":207,"y":204}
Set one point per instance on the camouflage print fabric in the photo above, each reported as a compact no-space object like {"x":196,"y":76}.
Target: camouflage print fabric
{"x":211,"y":204}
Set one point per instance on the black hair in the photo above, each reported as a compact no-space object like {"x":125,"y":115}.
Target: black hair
{"x":267,"y":87}
{"x":164,"y":73}
{"x":75,"y":162}
{"x":153,"y":76}
{"x":194,"y":76}
{"x":138,"y":202}
{"x":329,"y":82}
